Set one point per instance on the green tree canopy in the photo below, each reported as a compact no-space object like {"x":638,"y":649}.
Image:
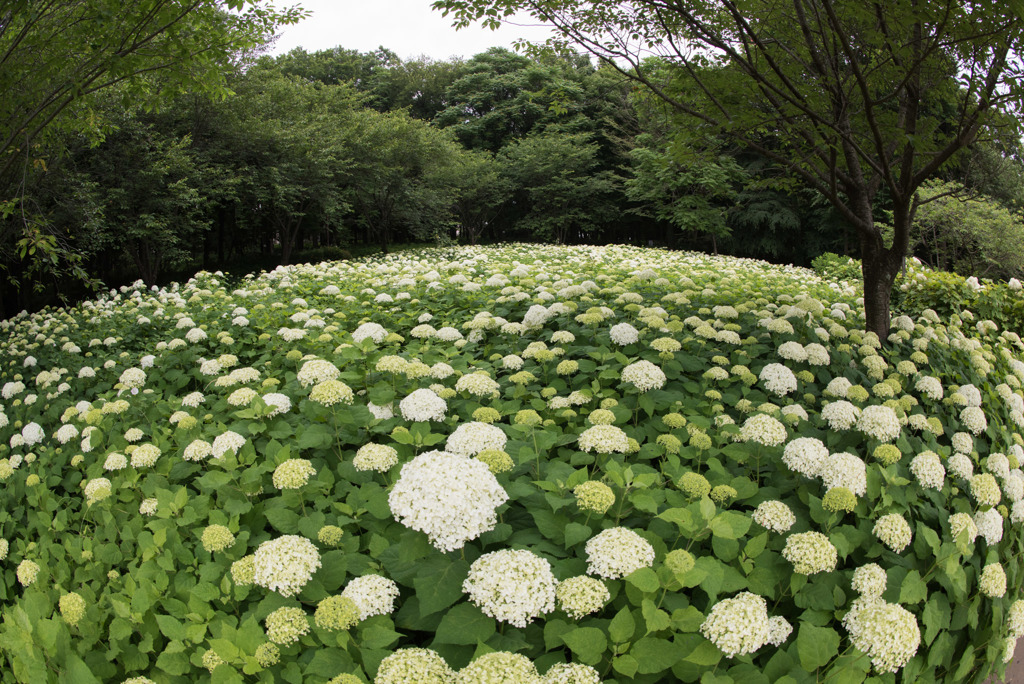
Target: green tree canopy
{"x":859,"y":100}
{"x":55,"y":55}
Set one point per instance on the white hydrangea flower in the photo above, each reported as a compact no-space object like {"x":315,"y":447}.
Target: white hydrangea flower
{"x":277,"y":402}
{"x":962,"y":442}
{"x":514,"y":586}
{"x":810,"y":553}
{"x":869,"y":580}
{"x":644,"y":375}
{"x":961,"y":466}
{"x":623,"y":334}
{"x":423,"y":405}
{"x":616,"y":552}
{"x":805,"y":455}
{"x":879,"y":422}
{"x":33,"y":434}
{"x":928,"y":469}
{"x":764,"y":430}
{"x":377,"y":457}
{"x":887,"y":632}
{"x":738,"y":625}
{"x":792,"y":351}
{"x":581,"y":595}
{"x":373,"y":331}
{"x":285,"y":564}
{"x":316,"y":371}
{"x":372,"y":594}
{"x":990,"y":525}
{"x":840,"y":415}
{"x":778,"y":379}
{"x":974,"y":419}
{"x":845,"y":470}
{"x":471,"y":438}
{"x":225,"y":442}
{"x":774,"y":515}
{"x":604,"y":439}
{"x":894,"y":531}
{"x":930,"y":387}
{"x":477,"y":384}
{"x":451,"y":498}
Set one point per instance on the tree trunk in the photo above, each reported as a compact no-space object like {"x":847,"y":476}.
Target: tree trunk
{"x":880,"y":266}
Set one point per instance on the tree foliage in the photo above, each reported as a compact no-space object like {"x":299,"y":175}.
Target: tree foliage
{"x":858,"y":100}
{"x":55,"y":55}
{"x":955,"y":230}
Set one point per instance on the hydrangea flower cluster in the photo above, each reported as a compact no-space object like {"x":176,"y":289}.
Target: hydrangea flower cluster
{"x":887,"y":632}
{"x":617,"y":552}
{"x":285,"y":564}
{"x":514,"y":586}
{"x":450,"y":498}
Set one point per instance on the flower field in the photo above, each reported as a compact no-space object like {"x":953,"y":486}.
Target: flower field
{"x":516,"y":464}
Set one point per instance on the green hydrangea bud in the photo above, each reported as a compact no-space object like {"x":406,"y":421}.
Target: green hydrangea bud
{"x":694,"y":485}
{"x":335,"y":613}
{"x":839,"y":499}
{"x":72,"y":608}
{"x":680,"y":561}
{"x":723,"y":494}
{"x":594,"y":496}
{"x":330,"y":535}
{"x":887,"y":454}
{"x":497,"y":461}
{"x":267,"y":654}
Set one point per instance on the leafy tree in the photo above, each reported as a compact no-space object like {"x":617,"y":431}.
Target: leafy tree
{"x":693,"y":197}
{"x":152,"y":206}
{"x":500,"y":97}
{"x":401,"y":179}
{"x":482,"y":190}
{"x":561,"y":195}
{"x":970,"y":234}
{"x":55,"y":55}
{"x":864,"y":100}
{"x":301,"y":134}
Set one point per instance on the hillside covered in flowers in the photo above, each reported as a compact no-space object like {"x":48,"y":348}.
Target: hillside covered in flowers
{"x":513,"y":464}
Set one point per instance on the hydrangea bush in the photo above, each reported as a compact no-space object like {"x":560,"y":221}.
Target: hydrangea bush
{"x":508,"y":464}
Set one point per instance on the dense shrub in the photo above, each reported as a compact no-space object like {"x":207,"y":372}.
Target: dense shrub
{"x":835,"y":267}
{"x":663,"y":466}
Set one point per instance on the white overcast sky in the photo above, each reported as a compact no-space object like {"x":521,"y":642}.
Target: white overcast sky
{"x":410,"y":28}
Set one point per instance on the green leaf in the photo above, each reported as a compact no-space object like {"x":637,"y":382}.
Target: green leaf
{"x":656,"y":655}
{"x":655,"y":618}
{"x":706,"y":654}
{"x":755,"y":547}
{"x":816,"y":646}
{"x":328,"y":662}
{"x":730,"y":525}
{"x":77,"y":672}
{"x":440,"y":586}
{"x":283,"y":520}
{"x":644,"y":579}
{"x":622,"y":626}
{"x":315,"y":436}
{"x":588,"y":643}
{"x":914,"y":589}
{"x":464,"y":624}
{"x":174,"y":660}
{"x":625,"y":665}
{"x":687,"y":619}
{"x":171,"y":627}
{"x":681,"y":517}
{"x":575,"y":533}
{"x":935,"y":617}
{"x":377,"y":634}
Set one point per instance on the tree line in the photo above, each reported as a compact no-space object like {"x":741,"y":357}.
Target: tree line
{"x":305,"y":156}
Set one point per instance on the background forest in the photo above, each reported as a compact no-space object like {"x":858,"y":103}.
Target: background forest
{"x":310,"y":156}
